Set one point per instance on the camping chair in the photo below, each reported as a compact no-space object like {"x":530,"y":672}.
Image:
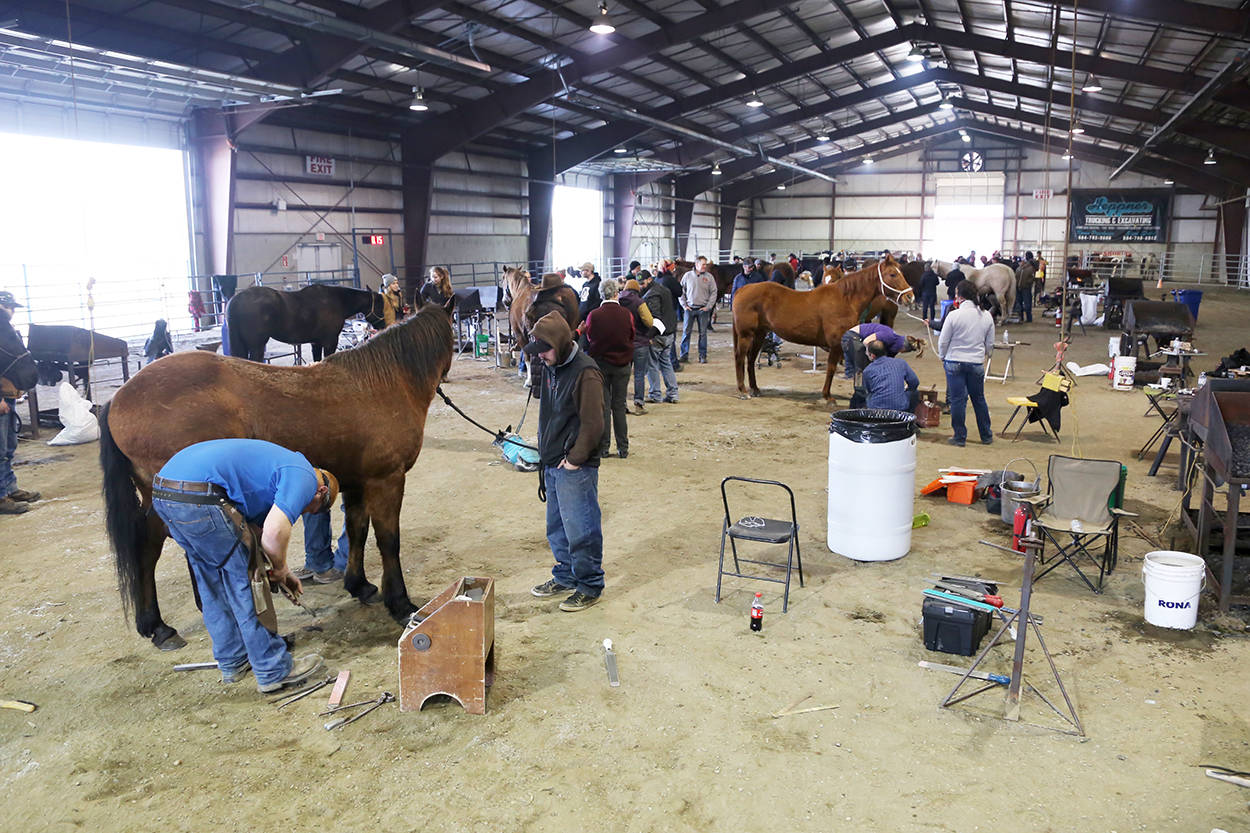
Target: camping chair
{"x":1083,"y":504}
{"x":764,"y":530}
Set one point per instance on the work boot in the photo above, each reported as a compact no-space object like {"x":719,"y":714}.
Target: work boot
{"x":24,"y":496}
{"x":9,"y":506}
{"x":330,"y":576}
{"x":233,"y":675}
{"x":301,"y":670}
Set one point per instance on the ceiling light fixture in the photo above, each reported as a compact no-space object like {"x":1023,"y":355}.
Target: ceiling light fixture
{"x":716,"y":169}
{"x":620,"y":150}
{"x":965,"y":137}
{"x":781,"y":187}
{"x":1077,"y":130}
{"x":601,"y":25}
{"x":1092,"y":85}
{"x":418,"y":101}
{"x":754,"y":100}
{"x":1210,"y":160}
{"x":822,"y":136}
{"x":1066,"y":155}
{"x":867,"y":160}
{"x":916,"y":54}
{"x":1169,"y":182}
{"x":946,"y":104}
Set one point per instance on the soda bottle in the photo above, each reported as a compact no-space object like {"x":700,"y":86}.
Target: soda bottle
{"x":757,"y":612}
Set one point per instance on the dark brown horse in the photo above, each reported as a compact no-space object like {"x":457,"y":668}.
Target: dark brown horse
{"x":818,"y":317}
{"x":360,"y":414}
{"x":314,"y":314}
{"x":16,"y":364}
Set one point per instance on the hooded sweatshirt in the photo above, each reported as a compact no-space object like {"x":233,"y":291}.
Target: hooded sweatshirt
{"x":570,"y":408}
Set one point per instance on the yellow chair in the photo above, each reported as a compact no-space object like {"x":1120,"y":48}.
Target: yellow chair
{"x":1027,"y":405}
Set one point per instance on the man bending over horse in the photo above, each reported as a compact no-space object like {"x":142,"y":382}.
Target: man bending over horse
{"x":856,"y":340}
{"x":209,"y":494}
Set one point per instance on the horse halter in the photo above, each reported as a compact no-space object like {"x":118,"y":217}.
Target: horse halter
{"x":886,"y":289}
{"x":17,"y":357}
{"x":376,"y":316}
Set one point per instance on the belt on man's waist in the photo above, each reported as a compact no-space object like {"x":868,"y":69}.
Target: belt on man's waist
{"x":188,"y":491}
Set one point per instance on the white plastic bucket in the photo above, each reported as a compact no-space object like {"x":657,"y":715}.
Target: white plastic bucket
{"x":1173,"y":582}
{"x":1113,"y":347}
{"x":871,"y":497}
{"x":1123,"y":370}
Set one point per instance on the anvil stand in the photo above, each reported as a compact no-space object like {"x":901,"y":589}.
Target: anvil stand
{"x":1032,"y":546}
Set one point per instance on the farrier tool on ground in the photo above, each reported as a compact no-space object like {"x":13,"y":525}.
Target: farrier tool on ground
{"x":1001,"y":679}
{"x":386,"y":697}
{"x":307,"y":690}
{"x":195,"y":666}
{"x":18,"y":705}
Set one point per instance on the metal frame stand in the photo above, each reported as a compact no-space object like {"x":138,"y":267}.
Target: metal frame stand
{"x":1011,"y":710}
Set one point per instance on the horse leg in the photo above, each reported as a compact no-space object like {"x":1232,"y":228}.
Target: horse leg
{"x":835,"y":356}
{"x":740,"y":351}
{"x":317,"y":350}
{"x":148,"y":619}
{"x":753,"y":353}
{"x":383,"y":502}
{"x":357,"y":521}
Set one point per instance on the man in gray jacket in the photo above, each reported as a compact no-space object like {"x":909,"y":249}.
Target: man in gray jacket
{"x":967,"y":339}
{"x":698,"y":296}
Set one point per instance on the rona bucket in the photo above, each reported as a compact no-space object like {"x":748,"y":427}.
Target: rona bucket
{"x":1174,"y":580}
{"x":1124,"y":369}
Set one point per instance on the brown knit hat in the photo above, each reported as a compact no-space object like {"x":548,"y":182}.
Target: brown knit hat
{"x":633,"y":284}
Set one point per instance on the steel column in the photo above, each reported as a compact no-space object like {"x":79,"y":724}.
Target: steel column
{"x":213,"y":147}
{"x":417,"y":180}
{"x":541,"y":196}
{"x":622,"y":215}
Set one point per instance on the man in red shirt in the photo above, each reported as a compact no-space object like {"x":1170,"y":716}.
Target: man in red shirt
{"x":609,"y":331}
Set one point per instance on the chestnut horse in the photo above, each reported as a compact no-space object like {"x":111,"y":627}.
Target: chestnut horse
{"x":360,"y":414}
{"x":817,"y":318}
{"x":518,"y":297}
{"x":314,"y":314}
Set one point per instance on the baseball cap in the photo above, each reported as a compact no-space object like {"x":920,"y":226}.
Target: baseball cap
{"x":537,"y":346}
{"x":7,"y":299}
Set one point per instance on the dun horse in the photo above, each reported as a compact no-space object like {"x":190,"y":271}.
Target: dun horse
{"x":360,"y":414}
{"x":996,"y":276}
{"x":313,"y":314}
{"x":818,"y":318}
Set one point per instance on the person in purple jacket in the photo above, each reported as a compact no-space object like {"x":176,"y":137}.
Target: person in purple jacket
{"x":858,"y":337}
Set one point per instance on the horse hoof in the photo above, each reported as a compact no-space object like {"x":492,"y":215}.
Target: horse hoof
{"x":403,"y":613}
{"x":170,"y":641}
{"x":369,"y":595}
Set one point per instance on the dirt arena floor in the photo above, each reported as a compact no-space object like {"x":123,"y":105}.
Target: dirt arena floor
{"x":690,"y":740}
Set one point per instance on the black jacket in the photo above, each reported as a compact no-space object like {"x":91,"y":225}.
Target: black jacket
{"x":591,"y":299}
{"x":660,"y":301}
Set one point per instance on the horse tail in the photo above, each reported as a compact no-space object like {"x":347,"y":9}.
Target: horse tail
{"x":238,"y":347}
{"x":123,"y":515}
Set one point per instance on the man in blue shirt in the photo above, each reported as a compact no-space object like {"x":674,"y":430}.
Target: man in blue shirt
{"x":200,"y":494}
{"x":890,"y":383}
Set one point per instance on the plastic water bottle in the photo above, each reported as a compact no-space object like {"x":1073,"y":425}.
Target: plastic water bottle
{"x":1006,"y":339}
{"x":1202,"y":379}
{"x":757,"y":613}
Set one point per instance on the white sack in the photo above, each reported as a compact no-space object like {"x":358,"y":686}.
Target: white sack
{"x":75,"y":414}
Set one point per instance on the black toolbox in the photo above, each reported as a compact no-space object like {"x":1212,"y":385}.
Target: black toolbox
{"x":952,"y":628}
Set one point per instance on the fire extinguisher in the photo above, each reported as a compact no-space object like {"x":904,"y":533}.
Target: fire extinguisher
{"x":1019,"y":528}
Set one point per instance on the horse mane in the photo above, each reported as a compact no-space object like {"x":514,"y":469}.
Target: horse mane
{"x":414,"y":346}
{"x":851,"y":282}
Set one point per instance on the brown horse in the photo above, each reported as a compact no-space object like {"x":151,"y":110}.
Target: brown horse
{"x":360,"y":414}
{"x":882,"y":308}
{"x":518,"y":297}
{"x":818,"y":318}
{"x":313,"y":314}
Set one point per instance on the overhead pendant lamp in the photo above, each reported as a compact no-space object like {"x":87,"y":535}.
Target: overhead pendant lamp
{"x":822,"y":136}
{"x":620,"y":150}
{"x":602,"y":25}
{"x":1210,"y":160}
{"x":1169,"y":182}
{"x":418,"y":101}
{"x":867,"y":160}
{"x":946,"y":104}
{"x":1092,"y":85}
{"x":1077,"y":129}
{"x":916,"y":55}
{"x":716,"y":169}
{"x":781,"y":187}
{"x":754,"y":100}
{"x":1067,"y":155}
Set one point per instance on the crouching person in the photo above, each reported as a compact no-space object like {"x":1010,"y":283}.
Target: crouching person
{"x":205,"y":494}
{"x":889,"y":383}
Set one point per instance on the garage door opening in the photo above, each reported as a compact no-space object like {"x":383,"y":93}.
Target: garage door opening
{"x":78,"y":211}
{"x":577,"y":227}
{"x":967,"y":216}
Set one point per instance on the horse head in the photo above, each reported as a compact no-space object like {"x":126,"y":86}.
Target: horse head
{"x":894,"y":285}
{"x":16,"y":363}
{"x":375,"y":315}
{"x":511,"y":283}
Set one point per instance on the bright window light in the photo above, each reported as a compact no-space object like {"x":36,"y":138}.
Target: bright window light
{"x":79,"y":210}
{"x":960,"y":227}
{"x":577,"y":227}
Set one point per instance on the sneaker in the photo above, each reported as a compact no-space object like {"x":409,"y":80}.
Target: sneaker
{"x":670,"y":401}
{"x":953,"y":441}
{"x":622,"y":454}
{"x":303,"y":573}
{"x":301,"y":670}
{"x":330,"y":576}
{"x":233,"y":675}
{"x":578,"y":601}
{"x":549,"y":588}
{"x":24,"y":496}
{"x":638,"y":409}
{"x":8,"y":506}
{"x":684,"y":360}
{"x":987,"y":440}
{"x":703,"y":360}
{"x":651,"y":401}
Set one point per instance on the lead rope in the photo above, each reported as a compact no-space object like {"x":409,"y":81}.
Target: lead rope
{"x":500,"y":436}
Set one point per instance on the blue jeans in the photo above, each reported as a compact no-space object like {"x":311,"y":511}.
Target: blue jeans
{"x":1024,"y":303}
{"x":318,"y":556}
{"x":661,"y":367}
{"x":219,"y":563}
{"x":8,"y":447}
{"x":642,"y":361}
{"x":966,"y":380}
{"x":702,"y":317}
{"x":574,"y":528}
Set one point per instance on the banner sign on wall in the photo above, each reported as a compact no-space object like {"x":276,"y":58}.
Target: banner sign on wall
{"x":1137,"y":216}
{"x":319,"y":165}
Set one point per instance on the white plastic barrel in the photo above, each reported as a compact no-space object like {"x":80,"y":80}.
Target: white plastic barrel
{"x":1124,"y":368}
{"x":1174,"y":581}
{"x":871,"y":484}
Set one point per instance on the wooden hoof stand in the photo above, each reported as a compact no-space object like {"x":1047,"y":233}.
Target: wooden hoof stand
{"x":448,"y":647}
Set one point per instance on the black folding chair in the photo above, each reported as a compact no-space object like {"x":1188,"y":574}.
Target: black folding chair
{"x":763,"y":530}
{"x":1080,"y":511}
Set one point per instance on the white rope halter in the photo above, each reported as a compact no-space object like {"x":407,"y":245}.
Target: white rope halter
{"x":886,"y":289}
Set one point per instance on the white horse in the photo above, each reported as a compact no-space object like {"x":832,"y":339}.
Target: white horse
{"x":995,"y":276}
{"x":1148,"y":267}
